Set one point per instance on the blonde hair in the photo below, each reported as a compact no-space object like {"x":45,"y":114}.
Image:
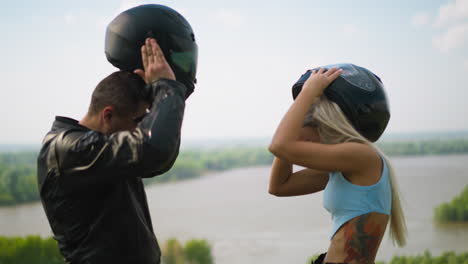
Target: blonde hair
{"x":333,"y":127}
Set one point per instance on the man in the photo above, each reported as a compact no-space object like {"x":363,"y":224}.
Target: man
{"x":90,"y":172}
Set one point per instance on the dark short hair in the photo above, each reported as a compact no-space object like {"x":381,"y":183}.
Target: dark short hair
{"x":121,"y":89}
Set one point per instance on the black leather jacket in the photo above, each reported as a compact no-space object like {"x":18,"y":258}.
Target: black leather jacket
{"x":91,"y":188}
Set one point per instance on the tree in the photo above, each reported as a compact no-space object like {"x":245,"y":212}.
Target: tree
{"x":456,"y":210}
{"x":198,"y":252}
{"x":172,"y":252}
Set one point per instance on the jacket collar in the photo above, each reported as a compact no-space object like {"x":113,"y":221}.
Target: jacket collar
{"x":62,"y":122}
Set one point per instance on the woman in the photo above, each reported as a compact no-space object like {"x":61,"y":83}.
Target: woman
{"x":360,"y":189}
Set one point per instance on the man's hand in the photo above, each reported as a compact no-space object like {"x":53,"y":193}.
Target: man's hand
{"x":154,"y":63}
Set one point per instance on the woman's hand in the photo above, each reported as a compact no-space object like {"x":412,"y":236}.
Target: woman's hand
{"x":288,"y":133}
{"x":154,"y":63}
{"x":319,"y":80}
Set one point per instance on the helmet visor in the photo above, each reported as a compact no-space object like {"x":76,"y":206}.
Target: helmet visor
{"x":183,"y":53}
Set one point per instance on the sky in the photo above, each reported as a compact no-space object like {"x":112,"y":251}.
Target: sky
{"x":250,"y":54}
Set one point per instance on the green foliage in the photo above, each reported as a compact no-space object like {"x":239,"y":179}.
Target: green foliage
{"x":29,"y":250}
{"x":18,"y":180}
{"x":446,"y":258}
{"x":454,"y":211}
{"x":198,"y":252}
{"x":427,"y":258}
{"x":37,"y":250}
{"x":183,"y":169}
{"x":195,"y":252}
{"x":173,"y":252}
{"x":18,"y":183}
{"x":192,"y":164}
{"x":425,"y":147}
{"x":312,"y":258}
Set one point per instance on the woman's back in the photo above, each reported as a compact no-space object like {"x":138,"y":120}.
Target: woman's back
{"x":360,"y":206}
{"x":358,"y":240}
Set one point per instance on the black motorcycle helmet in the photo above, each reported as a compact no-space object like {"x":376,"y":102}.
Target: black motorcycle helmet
{"x":360,"y":95}
{"x":127,"y":33}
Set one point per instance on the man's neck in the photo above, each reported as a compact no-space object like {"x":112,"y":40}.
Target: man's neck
{"x":90,"y":122}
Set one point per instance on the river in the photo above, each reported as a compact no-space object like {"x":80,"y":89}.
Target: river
{"x":244,"y":224}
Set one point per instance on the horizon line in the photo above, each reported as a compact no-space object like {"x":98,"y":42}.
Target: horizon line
{"x":228,"y":140}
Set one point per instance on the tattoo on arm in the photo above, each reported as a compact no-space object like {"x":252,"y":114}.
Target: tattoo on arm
{"x":362,"y":239}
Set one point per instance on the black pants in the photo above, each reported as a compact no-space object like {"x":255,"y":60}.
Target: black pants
{"x":321,"y":258}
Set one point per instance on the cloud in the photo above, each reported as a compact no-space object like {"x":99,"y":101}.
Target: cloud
{"x":230,"y":18}
{"x":452,"y":12}
{"x":453,"y":38}
{"x":465,"y":65}
{"x":452,"y":20}
{"x":421,"y":19}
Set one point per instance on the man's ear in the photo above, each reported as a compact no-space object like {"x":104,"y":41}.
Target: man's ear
{"x":107,"y":113}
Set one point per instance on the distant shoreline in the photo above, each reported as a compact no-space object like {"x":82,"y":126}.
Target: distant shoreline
{"x":18,"y":183}
{"x":205,"y":143}
{"x":163,"y":180}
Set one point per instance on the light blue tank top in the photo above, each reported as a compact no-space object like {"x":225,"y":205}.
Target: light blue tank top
{"x":346,"y":201}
